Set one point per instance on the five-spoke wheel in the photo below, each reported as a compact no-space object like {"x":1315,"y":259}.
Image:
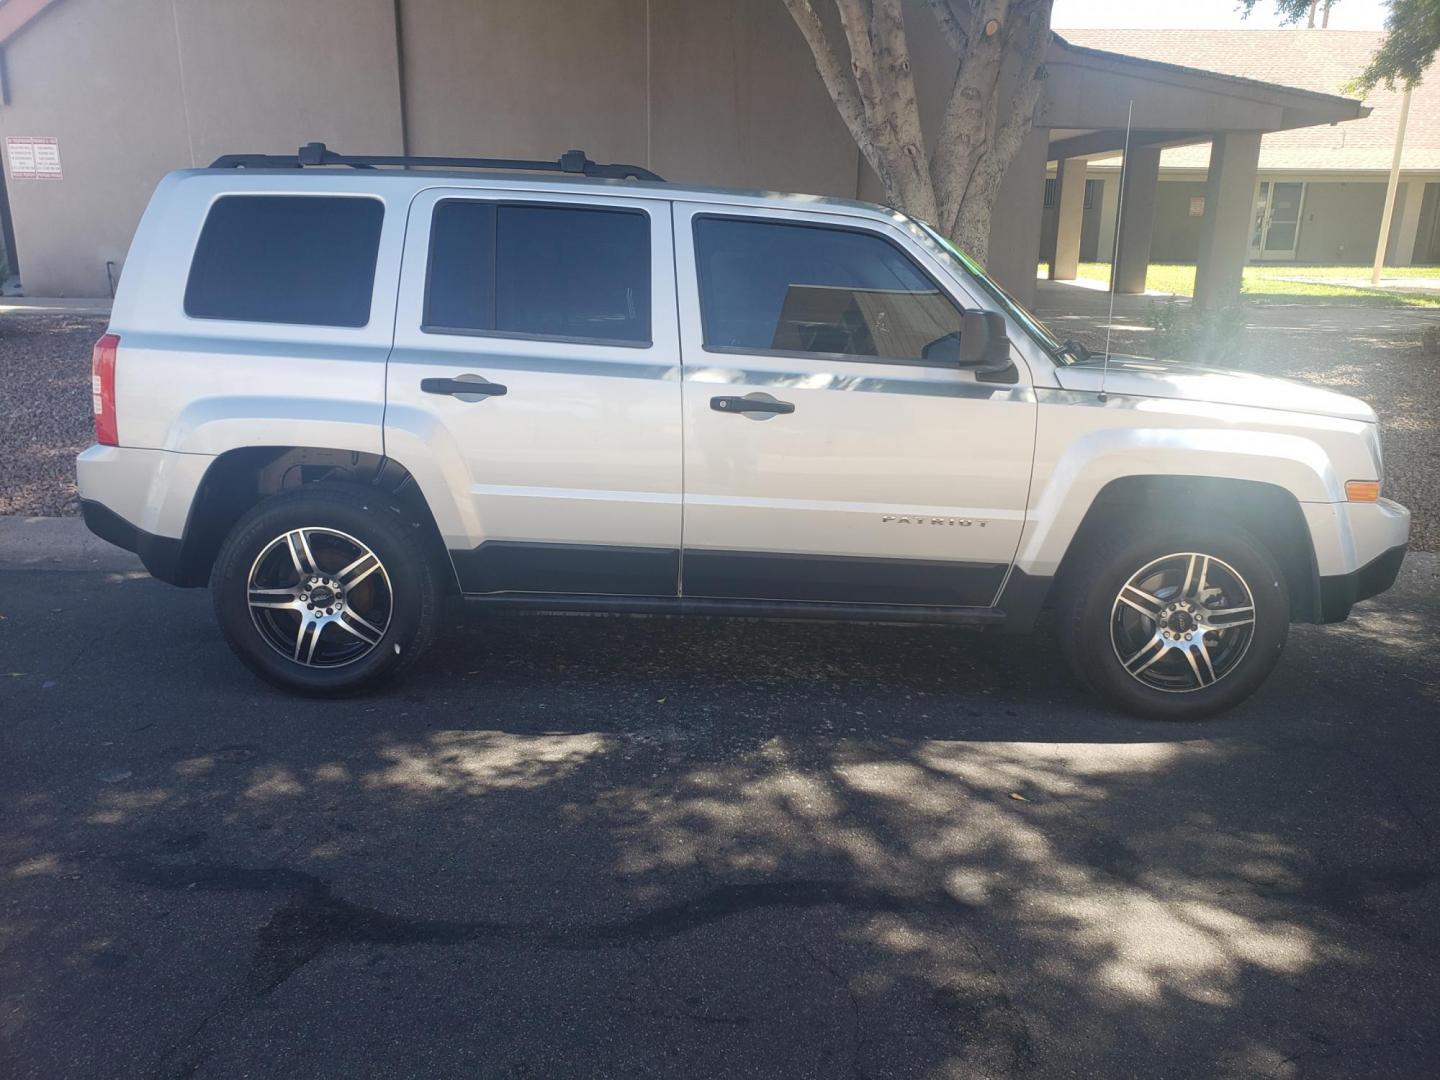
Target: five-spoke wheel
{"x":1177,"y":624}
{"x":1182,"y":622}
{"x":320,"y":597}
{"x":327,"y":589}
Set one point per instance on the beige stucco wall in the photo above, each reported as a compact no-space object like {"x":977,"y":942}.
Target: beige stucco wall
{"x":1339,"y":222}
{"x":1176,"y":238}
{"x":135,"y":88}
{"x":525,"y":78}
{"x":104,"y":79}
{"x":735,"y":100}
{"x":268,"y":75}
{"x":1427,"y":234}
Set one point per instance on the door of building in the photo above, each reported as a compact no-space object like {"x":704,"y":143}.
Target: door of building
{"x":1277,"y":219}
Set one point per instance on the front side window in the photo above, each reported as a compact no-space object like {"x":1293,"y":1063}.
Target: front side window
{"x":768,"y":286}
{"x":537,"y":270}
{"x":298,"y":259}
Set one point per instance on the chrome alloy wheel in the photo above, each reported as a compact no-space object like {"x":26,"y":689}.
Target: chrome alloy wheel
{"x":319,"y":597}
{"x":1182,"y":622}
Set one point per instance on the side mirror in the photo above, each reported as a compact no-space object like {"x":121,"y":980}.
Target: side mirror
{"x":983,"y":344}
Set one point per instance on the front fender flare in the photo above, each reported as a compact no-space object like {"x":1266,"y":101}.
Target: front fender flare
{"x":1291,"y":463}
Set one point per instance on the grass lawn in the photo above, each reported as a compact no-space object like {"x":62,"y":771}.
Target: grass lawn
{"x":1267,"y":284}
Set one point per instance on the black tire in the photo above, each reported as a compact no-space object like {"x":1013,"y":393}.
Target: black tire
{"x":410,"y":577}
{"x":1088,"y":603}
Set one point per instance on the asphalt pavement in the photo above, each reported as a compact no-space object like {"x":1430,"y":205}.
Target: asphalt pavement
{"x":585,"y":846}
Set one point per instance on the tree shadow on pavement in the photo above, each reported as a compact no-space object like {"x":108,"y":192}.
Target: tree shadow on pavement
{"x":642,"y":847}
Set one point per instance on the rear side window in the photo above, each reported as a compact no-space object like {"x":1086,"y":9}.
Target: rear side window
{"x":537,"y":270}
{"x":773,"y":287}
{"x":302,"y":259}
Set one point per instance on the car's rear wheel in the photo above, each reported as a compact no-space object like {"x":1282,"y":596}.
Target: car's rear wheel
{"x":326,"y":589}
{"x":1177,"y":625}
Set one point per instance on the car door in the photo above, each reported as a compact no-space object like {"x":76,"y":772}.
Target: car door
{"x":533,"y":389}
{"x":827,"y":457}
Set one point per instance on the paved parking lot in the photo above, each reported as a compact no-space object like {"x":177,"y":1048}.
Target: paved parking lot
{"x":643,"y":847}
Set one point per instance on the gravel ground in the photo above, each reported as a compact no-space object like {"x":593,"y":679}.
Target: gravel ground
{"x":1374,"y":354}
{"x":44,"y":409}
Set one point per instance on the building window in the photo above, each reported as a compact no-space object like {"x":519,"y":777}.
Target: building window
{"x":539,"y":270}
{"x":300,"y":259}
{"x":1052,"y":192}
{"x":772,"y":287}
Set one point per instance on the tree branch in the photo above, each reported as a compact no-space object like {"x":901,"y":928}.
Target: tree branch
{"x":968,"y":124}
{"x":855,"y":21}
{"x":952,"y":24}
{"x":979,"y":196}
{"x":837,"y":81}
{"x":898,"y":84}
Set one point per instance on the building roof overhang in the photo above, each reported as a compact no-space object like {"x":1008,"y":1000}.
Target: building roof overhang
{"x":1092,"y":92}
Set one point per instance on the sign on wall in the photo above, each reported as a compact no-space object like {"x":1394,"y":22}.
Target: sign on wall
{"x":1197,"y":205}
{"x":33,"y":157}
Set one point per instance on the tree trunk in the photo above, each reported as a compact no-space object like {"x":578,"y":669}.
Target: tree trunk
{"x":999,"y":45}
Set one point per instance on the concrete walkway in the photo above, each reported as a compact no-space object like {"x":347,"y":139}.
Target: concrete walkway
{"x":54,"y":305}
{"x":1067,"y":305}
{"x":1420,"y":286}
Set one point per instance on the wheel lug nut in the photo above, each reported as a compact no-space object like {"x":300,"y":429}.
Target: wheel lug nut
{"x":1189,"y":636}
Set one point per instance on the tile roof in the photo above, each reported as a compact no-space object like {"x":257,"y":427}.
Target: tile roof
{"x":1319,"y":60}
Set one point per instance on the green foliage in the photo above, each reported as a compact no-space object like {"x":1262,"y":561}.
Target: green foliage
{"x":1412,"y":39}
{"x":1184,"y":333}
{"x":1410,"y":45}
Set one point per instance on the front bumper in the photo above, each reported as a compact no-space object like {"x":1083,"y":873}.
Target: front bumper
{"x":1339,"y":592}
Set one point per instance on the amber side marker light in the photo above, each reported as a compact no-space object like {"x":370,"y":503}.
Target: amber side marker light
{"x":1362,"y":490}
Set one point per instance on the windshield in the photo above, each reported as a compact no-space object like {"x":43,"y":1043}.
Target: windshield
{"x":1008,"y":303}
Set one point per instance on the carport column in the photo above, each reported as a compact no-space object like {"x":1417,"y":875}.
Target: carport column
{"x":1064,"y":258}
{"x":1229,"y":218}
{"x":1138,"y":189}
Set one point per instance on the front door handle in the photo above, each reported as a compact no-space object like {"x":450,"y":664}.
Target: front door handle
{"x":466,"y":387}
{"x":752,"y":403}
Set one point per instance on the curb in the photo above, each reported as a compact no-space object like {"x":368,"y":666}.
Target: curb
{"x":50,"y":543}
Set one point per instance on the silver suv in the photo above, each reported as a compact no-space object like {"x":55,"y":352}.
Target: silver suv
{"x":336,"y":391}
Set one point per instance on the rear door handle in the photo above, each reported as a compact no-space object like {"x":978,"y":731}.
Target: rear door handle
{"x":466,"y":387}
{"x":759,"y":403}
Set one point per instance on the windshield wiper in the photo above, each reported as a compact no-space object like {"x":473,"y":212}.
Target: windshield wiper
{"x":1078,"y":353}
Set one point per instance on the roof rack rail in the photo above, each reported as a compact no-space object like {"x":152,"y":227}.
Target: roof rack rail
{"x":572,"y":161}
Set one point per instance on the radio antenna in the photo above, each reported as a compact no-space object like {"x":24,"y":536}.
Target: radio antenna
{"x":1115,"y":247}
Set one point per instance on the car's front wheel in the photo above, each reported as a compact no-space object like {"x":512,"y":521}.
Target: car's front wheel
{"x":1177,"y":625}
{"x":326,"y":589}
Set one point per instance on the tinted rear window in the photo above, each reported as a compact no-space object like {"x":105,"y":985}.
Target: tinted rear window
{"x":537,"y":270}
{"x":286,"y":259}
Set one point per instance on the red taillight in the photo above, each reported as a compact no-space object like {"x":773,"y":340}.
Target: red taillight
{"x":102,"y":389}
